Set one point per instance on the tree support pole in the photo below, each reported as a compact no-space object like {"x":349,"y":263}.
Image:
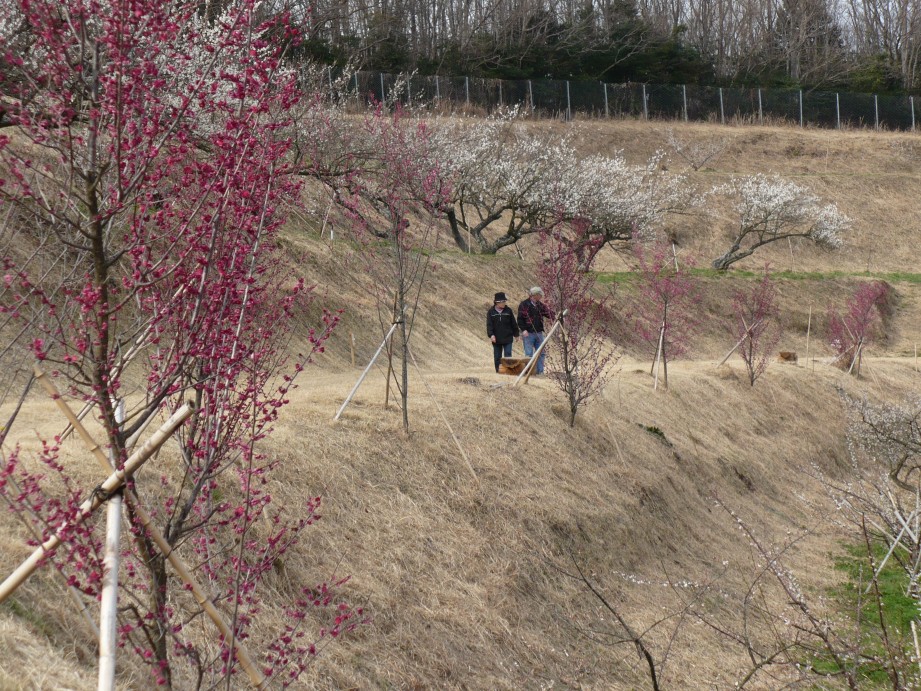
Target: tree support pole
{"x":365,"y":373}
{"x":185,"y":574}
{"x":532,"y":363}
{"x":108,"y":603}
{"x":108,"y":607}
{"x":101,"y":494}
{"x":741,"y":341}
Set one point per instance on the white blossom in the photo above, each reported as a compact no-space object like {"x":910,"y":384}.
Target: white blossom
{"x":770,"y":208}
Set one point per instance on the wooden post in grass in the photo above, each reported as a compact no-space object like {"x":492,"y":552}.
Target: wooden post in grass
{"x":112,"y":484}
{"x":734,"y":348}
{"x":185,"y":574}
{"x":352,"y":348}
{"x":808,"y":332}
{"x":916,"y":357}
{"x":532,"y":363}
{"x":365,"y":373}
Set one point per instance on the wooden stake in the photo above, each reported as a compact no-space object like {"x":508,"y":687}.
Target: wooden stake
{"x":389,"y":373}
{"x":532,"y":363}
{"x":352,"y":348}
{"x":365,"y":373}
{"x":808,"y":332}
{"x":655,"y":363}
{"x":741,"y":341}
{"x":184,"y":573}
{"x":111,"y":484}
{"x":108,"y":610}
{"x":916,"y":357}
{"x":74,"y":593}
{"x":108,"y":603}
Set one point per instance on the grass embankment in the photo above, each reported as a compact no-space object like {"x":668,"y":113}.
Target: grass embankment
{"x":464,"y":579}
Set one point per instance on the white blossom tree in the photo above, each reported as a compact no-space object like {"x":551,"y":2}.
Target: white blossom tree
{"x":509,"y":182}
{"x":769,"y":208}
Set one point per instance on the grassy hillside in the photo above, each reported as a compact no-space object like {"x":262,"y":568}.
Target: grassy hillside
{"x":467,"y":582}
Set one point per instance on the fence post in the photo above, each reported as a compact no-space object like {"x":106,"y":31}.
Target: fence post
{"x":437,"y":89}
{"x":607,"y":114}
{"x":329,"y":74}
{"x":645,"y":107}
{"x":684,"y":97}
{"x":467,"y":89}
{"x":500,"y":93}
{"x":568,"y":103}
{"x":356,"y":84}
{"x":800,"y":107}
{"x":531,"y":96}
{"x":760,"y":111}
{"x":409,"y":89}
{"x":383,"y":95}
{"x":838,"y":108}
{"x":876,"y":109}
{"x":722,"y":111}
{"x":911,"y":100}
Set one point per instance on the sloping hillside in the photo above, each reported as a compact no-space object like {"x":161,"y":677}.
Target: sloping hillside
{"x":468,"y":582}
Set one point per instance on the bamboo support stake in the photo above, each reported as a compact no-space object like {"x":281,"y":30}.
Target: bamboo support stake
{"x":108,"y":608}
{"x":808,"y":333}
{"x":655,"y":364}
{"x":111,"y":484}
{"x":856,"y":359}
{"x":741,"y":341}
{"x":365,"y":373}
{"x":444,"y":418}
{"x":532,"y":363}
{"x":108,"y":602}
{"x":184,"y":573}
{"x":74,"y":593}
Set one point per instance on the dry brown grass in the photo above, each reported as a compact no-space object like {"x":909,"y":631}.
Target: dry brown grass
{"x":459,"y":577}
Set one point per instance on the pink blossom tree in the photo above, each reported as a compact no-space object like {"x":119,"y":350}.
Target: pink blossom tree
{"x":582,"y":356}
{"x":386,"y":183}
{"x":755,"y":325}
{"x":859,"y":324}
{"x":145,"y":173}
{"x":666,"y":309}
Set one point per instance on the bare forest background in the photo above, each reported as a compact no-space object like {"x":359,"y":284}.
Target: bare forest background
{"x":838,"y":45}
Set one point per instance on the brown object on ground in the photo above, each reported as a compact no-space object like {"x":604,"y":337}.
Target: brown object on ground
{"x":787,"y":356}
{"x":512,"y":365}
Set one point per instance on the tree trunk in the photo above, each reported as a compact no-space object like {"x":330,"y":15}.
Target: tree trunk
{"x":160,"y":638}
{"x":456,"y":234}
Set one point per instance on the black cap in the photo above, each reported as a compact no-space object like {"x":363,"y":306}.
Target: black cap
{"x":500,"y":297}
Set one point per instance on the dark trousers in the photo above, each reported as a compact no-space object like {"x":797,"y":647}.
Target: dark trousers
{"x":498,"y":350}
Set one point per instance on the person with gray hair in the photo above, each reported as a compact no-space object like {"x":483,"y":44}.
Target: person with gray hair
{"x":532,"y":313}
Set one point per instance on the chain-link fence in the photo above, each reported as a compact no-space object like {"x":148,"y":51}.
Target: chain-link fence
{"x":565,"y":99}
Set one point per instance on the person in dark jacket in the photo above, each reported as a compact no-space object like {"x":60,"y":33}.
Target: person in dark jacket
{"x":533,"y":315}
{"x":501,"y":328}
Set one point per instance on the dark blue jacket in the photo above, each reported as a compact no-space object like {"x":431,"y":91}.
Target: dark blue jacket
{"x":501,"y":325}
